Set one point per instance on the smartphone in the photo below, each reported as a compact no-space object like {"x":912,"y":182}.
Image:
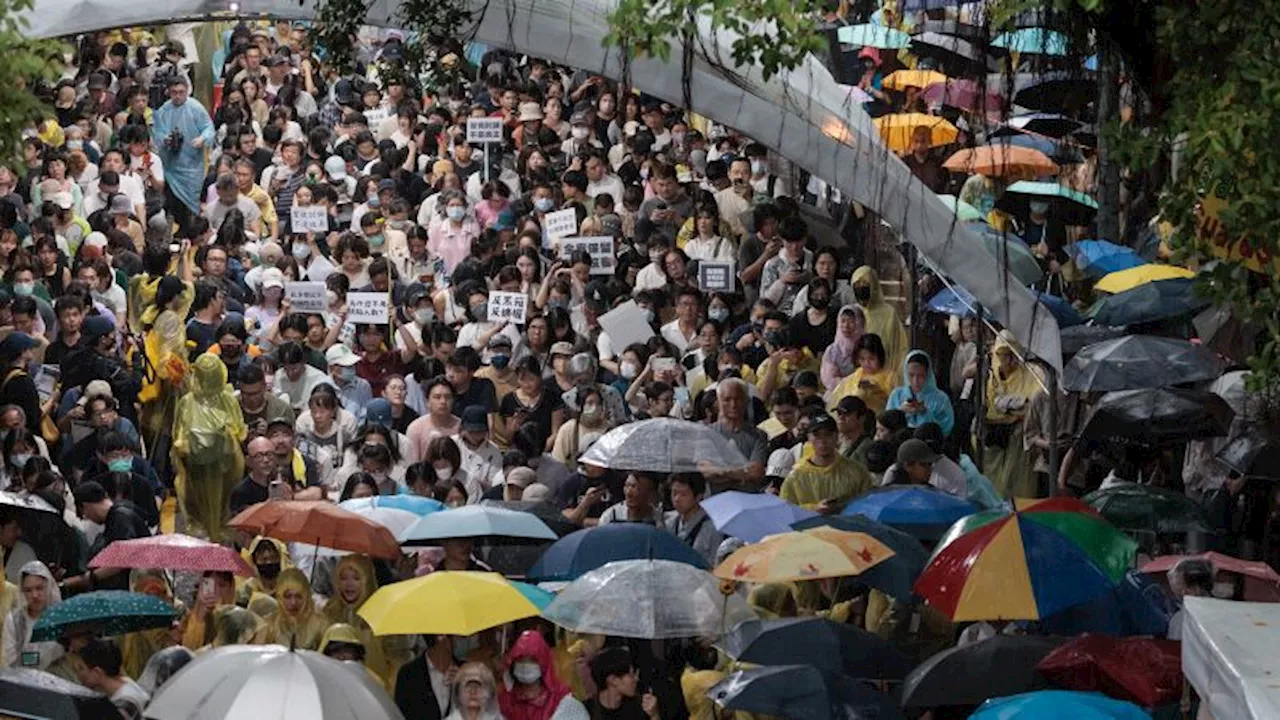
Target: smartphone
{"x":174,"y":247}
{"x":663,"y":364}
{"x":276,"y":492}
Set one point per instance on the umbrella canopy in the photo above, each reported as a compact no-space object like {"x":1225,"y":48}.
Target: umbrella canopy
{"x":787,"y":691}
{"x":953,"y":53}
{"x":1144,"y":671}
{"x":1055,"y":90}
{"x":415,"y":504}
{"x":1138,"y":606}
{"x":32,"y":693}
{"x":647,"y":599}
{"x":665,"y":445}
{"x":968,"y":675}
{"x":834,"y":648}
{"x":894,"y":576}
{"x":950,"y":26}
{"x":451,"y":603}
{"x":172,"y":552}
{"x":270,"y":681}
{"x":1262,"y":583}
{"x":1063,"y":311}
{"x":897,"y":130}
{"x":1158,"y":416}
{"x":1052,"y":704}
{"x":1002,"y":160}
{"x":1138,"y":361}
{"x":804,"y":555}
{"x":1011,"y":250}
{"x":1059,"y":151}
{"x":26,"y":502}
{"x":1041,"y":123}
{"x":1069,"y":206}
{"x":1044,"y":556}
{"x":1253,"y":454}
{"x":576,"y":554}
{"x":1147,"y":303}
{"x":953,"y":300}
{"x":903,"y":79}
{"x":752,"y":516}
{"x":1032,"y":41}
{"x":963,"y":210}
{"x":875,"y":36}
{"x":317,"y":522}
{"x":1078,"y":337}
{"x":1146,"y":508}
{"x":544,"y":510}
{"x":104,"y":612}
{"x":1122,"y":280}
{"x":394,"y":520}
{"x":476,"y":521}
{"x":1099,"y":257}
{"x":919,"y":510}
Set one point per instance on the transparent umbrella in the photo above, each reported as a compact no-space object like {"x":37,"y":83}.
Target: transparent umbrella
{"x":271,"y":681}
{"x":665,"y":445}
{"x":647,"y":599}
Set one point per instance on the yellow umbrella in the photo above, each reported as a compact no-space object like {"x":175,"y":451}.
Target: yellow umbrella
{"x":451,"y":603}
{"x":897,"y":130}
{"x":903,"y":79}
{"x":819,"y":552}
{"x":1133,"y":277}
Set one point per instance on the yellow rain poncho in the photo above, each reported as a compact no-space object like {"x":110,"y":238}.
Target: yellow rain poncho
{"x":234,"y":625}
{"x":383,"y":655}
{"x":198,"y":626}
{"x":302,"y":629}
{"x":875,"y":395}
{"x":344,"y":633}
{"x":207,"y":432}
{"x":808,"y":485}
{"x":165,"y":345}
{"x":136,"y":648}
{"x":1007,"y":399}
{"x":246,"y":589}
{"x":882,"y":320}
{"x":772,"y":601}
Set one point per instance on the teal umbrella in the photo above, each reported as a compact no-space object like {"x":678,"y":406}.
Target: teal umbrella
{"x":964,"y":211}
{"x":875,"y":36}
{"x":1011,"y":250}
{"x":103,"y":612}
{"x":1067,"y":205}
{"x":1032,"y":41}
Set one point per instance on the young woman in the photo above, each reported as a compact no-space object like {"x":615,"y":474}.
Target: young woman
{"x":396,"y":392}
{"x":532,"y":403}
{"x":815,"y":327}
{"x":268,"y":307}
{"x":578,"y":434}
{"x":872,"y":381}
{"x":919,"y":398}
{"x":826,"y":263}
{"x":838,"y":360}
{"x":39,"y":593}
{"x":325,"y":429}
{"x":451,"y":239}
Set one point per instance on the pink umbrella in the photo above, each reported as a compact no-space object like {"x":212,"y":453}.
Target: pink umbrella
{"x":1261,"y":582}
{"x":965,"y":94}
{"x":172,"y":552}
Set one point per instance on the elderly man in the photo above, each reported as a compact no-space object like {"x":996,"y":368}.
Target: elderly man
{"x":732,"y":398}
{"x":180,"y":133}
{"x":228,"y":199}
{"x":260,"y":483}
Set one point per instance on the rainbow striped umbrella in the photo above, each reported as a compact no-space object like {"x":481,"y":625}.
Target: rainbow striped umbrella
{"x":1045,"y":556}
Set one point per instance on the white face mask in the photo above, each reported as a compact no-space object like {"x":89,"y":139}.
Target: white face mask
{"x":580,"y":133}
{"x":1224,"y":590}
{"x":629,"y":370}
{"x":526,"y":672}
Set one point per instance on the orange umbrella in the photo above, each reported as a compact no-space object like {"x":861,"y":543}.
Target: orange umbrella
{"x":1006,"y":161}
{"x":319,"y":523}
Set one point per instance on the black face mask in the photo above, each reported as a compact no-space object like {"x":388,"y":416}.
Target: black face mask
{"x":269,"y":571}
{"x":863,"y":294}
{"x":820,"y":302}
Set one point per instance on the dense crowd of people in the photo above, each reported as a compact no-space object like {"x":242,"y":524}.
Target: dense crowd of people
{"x":161,"y":376}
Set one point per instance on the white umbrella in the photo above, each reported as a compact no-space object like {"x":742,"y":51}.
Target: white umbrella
{"x":647,"y":599}
{"x":271,"y":681}
{"x":665,"y":445}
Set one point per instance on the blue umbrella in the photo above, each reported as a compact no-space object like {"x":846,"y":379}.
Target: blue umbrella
{"x":919,"y":510}
{"x":103,"y":612}
{"x":1032,"y":41}
{"x":1138,"y":606}
{"x":874,"y":36}
{"x":415,"y":504}
{"x":476,"y":521}
{"x":1059,"y":152}
{"x":1069,"y":206}
{"x":1091,"y":63}
{"x":834,"y":648}
{"x":1100,"y":257}
{"x":581,"y":552}
{"x":1149,"y":302}
{"x":1063,"y":311}
{"x":895,"y":576}
{"x":1059,"y":705}
{"x":752,"y":516}
{"x":954,"y":300}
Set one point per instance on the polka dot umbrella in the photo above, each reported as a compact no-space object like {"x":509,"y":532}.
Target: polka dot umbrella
{"x":103,"y":612}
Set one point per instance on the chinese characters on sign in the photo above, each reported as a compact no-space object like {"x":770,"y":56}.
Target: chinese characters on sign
{"x":484,"y":131}
{"x":368,"y":307}
{"x":600,"y":249}
{"x":561,"y":224}
{"x":507,"y":306}
{"x":312,"y":218}
{"x":305,"y":297}
{"x":715,"y":276}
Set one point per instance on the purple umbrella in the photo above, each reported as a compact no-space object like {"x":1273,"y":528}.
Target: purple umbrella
{"x":752,"y":516}
{"x":965,"y":95}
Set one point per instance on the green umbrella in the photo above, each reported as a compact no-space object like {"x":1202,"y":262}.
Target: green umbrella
{"x":1069,"y":206}
{"x":963,"y":210}
{"x":103,"y":612}
{"x":875,"y":36}
{"x":1130,"y":506}
{"x":1012,"y":250}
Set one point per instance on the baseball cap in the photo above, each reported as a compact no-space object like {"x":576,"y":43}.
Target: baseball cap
{"x":96,"y":388}
{"x":499,"y":340}
{"x":530,"y":111}
{"x":272,"y":277}
{"x":15,"y":343}
{"x":386,"y":184}
{"x":97,"y":81}
{"x":915,"y":450}
{"x":120,"y":205}
{"x":274,"y":61}
{"x":562,"y":348}
{"x":62,"y":200}
{"x":821,"y":420}
{"x":336,"y":168}
{"x":96,"y":326}
{"x":474,"y":419}
{"x":378,"y":412}
{"x":850,"y":404}
{"x":341,"y":355}
{"x":780,"y":463}
{"x":417,"y":292}
{"x":578,"y":118}
{"x":521,"y":477}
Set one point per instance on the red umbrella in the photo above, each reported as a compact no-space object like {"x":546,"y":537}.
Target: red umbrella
{"x":319,"y":523}
{"x":1261,"y":582}
{"x":1146,"y":671}
{"x":172,"y":552}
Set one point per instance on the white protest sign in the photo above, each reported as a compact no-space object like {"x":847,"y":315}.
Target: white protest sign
{"x":484,"y":131}
{"x":561,"y":224}
{"x":715,"y":276}
{"x":600,"y":249}
{"x":626,"y":324}
{"x":312,"y":218}
{"x":508,"y":306}
{"x":375,"y":117}
{"x":368,"y":307}
{"x":305,"y":297}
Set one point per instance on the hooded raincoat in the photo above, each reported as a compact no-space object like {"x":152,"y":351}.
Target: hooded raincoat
{"x":184,"y":165}
{"x":234,"y":625}
{"x":136,"y":648}
{"x":208,"y":429}
{"x":555,"y":700}
{"x":19,"y":651}
{"x":255,"y":585}
{"x":937,"y":406}
{"x":1008,"y":397}
{"x":838,"y":361}
{"x":882,"y":318}
{"x":808,"y":485}
{"x":198,"y":627}
{"x":383,"y":655}
{"x":303,"y":629}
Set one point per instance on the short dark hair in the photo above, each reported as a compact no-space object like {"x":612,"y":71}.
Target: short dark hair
{"x":610,"y":662}
{"x":89,"y":492}
{"x":291,"y":353}
{"x":102,"y":654}
{"x":251,"y":375}
{"x":697,"y":484}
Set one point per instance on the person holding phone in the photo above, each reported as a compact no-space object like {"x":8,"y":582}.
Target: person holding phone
{"x":919,"y":398}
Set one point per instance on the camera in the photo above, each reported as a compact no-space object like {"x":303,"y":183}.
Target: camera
{"x":173,"y":141}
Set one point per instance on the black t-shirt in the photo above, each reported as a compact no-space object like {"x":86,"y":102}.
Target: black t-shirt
{"x":248,"y":493}
{"x":59,"y":350}
{"x":540,"y":413}
{"x":630,"y":709}
{"x":814,"y":337}
{"x":481,"y":392}
{"x":202,"y":334}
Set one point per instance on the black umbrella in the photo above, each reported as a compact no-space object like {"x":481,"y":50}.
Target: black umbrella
{"x":1158,"y":416}
{"x":801,"y":692}
{"x":968,"y":675}
{"x":1253,"y":454}
{"x":954,"y":53}
{"x":31,"y":693}
{"x":1055,"y":90}
{"x":834,"y":648}
{"x":972,"y":33}
{"x":515,"y":560}
{"x":1149,"y":302}
{"x":1138,"y":361}
{"x":1050,"y":125}
{"x":1078,"y":337}
{"x":1146,"y":508}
